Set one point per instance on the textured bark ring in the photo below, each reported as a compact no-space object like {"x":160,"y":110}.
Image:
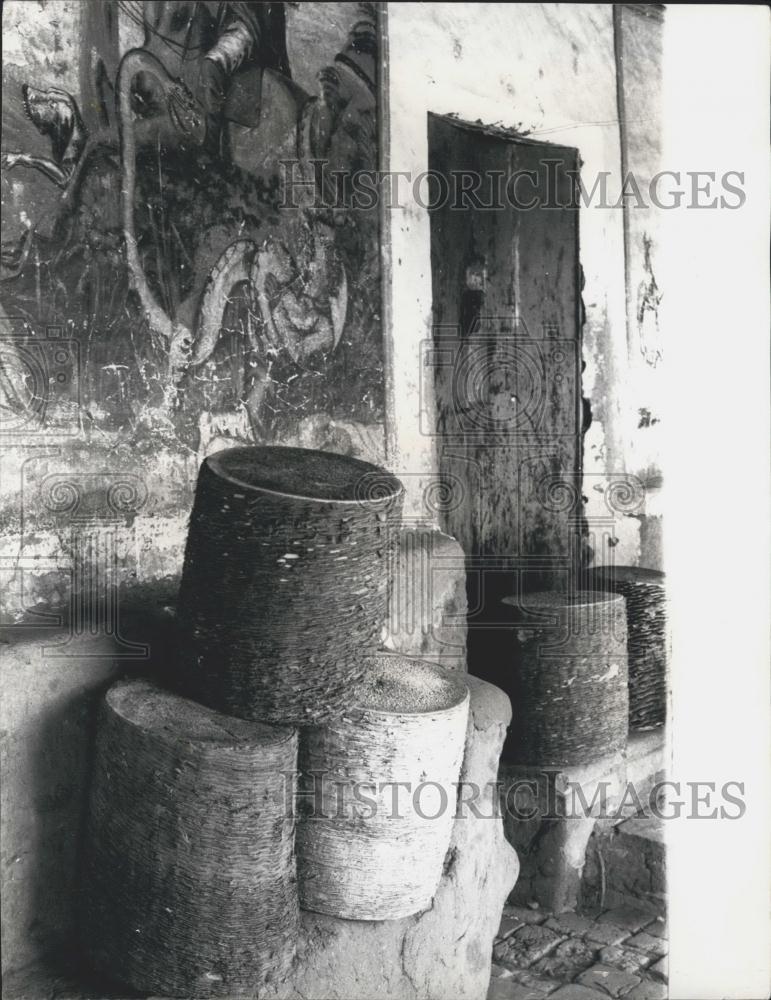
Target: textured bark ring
{"x":285,"y":581}
{"x":378,"y":793}
{"x":189,"y":885}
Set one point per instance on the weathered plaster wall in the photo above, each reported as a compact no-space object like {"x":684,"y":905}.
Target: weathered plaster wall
{"x":552,"y":73}
{"x":639,"y":37}
{"x":40,"y":41}
{"x":98,"y":484}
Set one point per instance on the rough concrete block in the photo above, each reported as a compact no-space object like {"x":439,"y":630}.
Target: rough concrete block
{"x":538,"y":984}
{"x":510,"y":989}
{"x":621,"y":957}
{"x":527,"y":945}
{"x":563,"y":861}
{"x":570,"y":923}
{"x":632,"y":855}
{"x":526,"y":914}
{"x":610,"y":981}
{"x":649,"y":944}
{"x":627,"y":917}
{"x":567,"y":960}
{"x":660,"y":970}
{"x":509,"y":924}
{"x":658,"y":928}
{"x":606,"y":934}
{"x":648,"y":990}
{"x":574,"y":991}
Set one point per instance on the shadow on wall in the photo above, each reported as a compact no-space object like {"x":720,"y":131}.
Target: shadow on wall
{"x":53,"y":681}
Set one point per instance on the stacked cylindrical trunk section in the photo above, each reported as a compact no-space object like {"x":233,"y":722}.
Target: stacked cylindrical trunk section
{"x":644,"y":592}
{"x":284,"y":584}
{"x":569,"y":677}
{"x":379,"y":791}
{"x":190,"y":883}
{"x":189,"y":878}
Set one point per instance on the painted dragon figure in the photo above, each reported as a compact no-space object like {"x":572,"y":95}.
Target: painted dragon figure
{"x":294,"y":274}
{"x":55,"y":114}
{"x":299,"y":291}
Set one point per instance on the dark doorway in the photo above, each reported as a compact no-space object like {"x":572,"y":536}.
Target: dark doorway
{"x":506,"y":358}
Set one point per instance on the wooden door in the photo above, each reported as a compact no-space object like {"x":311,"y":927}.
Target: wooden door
{"x":505,"y":359}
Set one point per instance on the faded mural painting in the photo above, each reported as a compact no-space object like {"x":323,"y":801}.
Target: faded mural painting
{"x":181,"y":266}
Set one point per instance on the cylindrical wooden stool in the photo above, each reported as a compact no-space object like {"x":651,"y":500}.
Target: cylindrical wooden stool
{"x":569,"y":678}
{"x":189,"y":885}
{"x":285,"y":580}
{"x":646,"y":615}
{"x":369,"y":848}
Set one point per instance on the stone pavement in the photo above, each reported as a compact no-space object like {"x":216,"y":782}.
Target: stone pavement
{"x":615,"y":953}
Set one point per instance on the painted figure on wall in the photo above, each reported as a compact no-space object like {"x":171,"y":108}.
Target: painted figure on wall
{"x":248,"y":35}
{"x":200,"y":290}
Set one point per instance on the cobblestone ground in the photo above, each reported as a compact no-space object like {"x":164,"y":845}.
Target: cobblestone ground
{"x":617,"y":953}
